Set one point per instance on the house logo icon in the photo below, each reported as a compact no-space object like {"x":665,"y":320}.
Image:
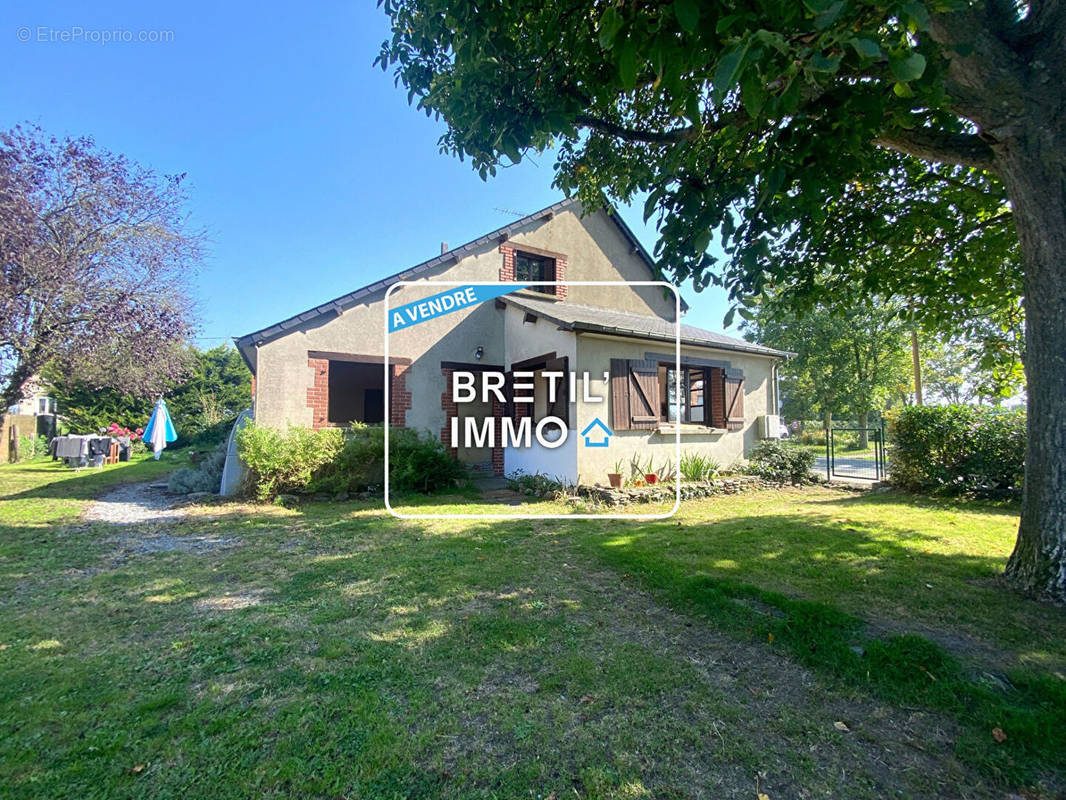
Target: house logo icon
{"x":602,"y":437}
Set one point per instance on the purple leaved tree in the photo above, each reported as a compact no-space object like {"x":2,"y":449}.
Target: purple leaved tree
{"x":95,"y":253}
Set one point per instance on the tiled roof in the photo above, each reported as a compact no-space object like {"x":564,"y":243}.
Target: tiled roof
{"x":577,"y":317}
{"x":338,"y":304}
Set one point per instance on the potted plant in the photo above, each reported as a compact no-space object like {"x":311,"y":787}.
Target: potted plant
{"x":615,"y":477}
{"x":644,"y":472}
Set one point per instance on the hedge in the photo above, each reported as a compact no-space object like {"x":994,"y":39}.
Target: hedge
{"x":338,"y":461}
{"x":957,"y":449}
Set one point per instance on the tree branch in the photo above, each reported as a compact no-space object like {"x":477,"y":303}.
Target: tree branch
{"x":964,"y":149}
{"x":672,"y":136}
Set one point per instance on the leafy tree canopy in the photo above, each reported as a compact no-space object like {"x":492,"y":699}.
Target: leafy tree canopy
{"x":203,"y":404}
{"x":754,"y":123}
{"x":95,"y":256}
{"x":837,"y":148}
{"x":848,"y":363}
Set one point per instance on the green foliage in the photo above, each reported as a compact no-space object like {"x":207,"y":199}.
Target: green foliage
{"x":31,"y":447}
{"x":206,"y":476}
{"x":419,"y":462}
{"x":666,"y":471}
{"x":696,"y":467}
{"x":755,"y":125}
{"x":850,"y":360}
{"x":812,"y":433}
{"x":87,"y":409}
{"x":958,"y":449}
{"x":280,"y":462}
{"x":205,"y":405}
{"x":535,"y":485}
{"x":335,"y":460}
{"x":358,"y":466}
{"x":781,"y":461}
{"x":638,"y":467}
{"x":983,"y":366}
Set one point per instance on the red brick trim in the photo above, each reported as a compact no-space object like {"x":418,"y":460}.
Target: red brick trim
{"x":559,"y":263}
{"x":560,"y":275}
{"x":399,"y":397}
{"x":498,"y":411}
{"x":507,"y":270}
{"x":318,"y":393}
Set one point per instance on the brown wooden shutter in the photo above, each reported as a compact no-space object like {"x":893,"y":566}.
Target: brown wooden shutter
{"x":561,"y":407}
{"x":619,"y":394}
{"x":716,"y":397}
{"x":734,"y":399}
{"x":643,"y":380}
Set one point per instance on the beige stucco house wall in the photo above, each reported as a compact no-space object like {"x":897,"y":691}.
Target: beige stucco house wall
{"x":295,"y":362}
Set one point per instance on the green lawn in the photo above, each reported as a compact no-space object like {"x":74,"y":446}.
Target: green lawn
{"x":749,"y":644}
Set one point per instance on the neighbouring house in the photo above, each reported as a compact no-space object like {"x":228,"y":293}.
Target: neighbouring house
{"x":325,"y":366}
{"x":35,"y":401}
{"x":33,"y":415}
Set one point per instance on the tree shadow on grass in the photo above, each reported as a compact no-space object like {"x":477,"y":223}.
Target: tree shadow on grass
{"x":389,"y":658}
{"x":89,"y":482}
{"x":892,"y":576}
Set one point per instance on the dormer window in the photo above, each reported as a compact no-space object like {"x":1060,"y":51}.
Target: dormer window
{"x":525,"y":264}
{"x":529,"y":268}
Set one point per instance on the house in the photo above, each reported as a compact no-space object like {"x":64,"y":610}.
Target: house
{"x":35,"y":400}
{"x":33,"y":415}
{"x":325,"y":366}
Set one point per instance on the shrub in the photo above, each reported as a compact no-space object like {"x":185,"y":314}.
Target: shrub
{"x":207,"y":477}
{"x":780,"y":461}
{"x":421,"y":463}
{"x":31,"y":447}
{"x":536,"y":485}
{"x":358,"y":466}
{"x":336,"y":460}
{"x":958,"y":449}
{"x":279,"y":462}
{"x":696,"y":467}
{"x":810,"y":434}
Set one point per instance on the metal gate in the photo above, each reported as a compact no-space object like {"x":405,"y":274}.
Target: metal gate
{"x":846,"y":457}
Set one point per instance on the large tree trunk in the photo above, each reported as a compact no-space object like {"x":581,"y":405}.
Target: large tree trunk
{"x":1033,"y":168}
{"x":864,"y":434}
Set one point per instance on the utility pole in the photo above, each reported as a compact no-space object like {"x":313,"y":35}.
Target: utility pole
{"x":917,"y":367}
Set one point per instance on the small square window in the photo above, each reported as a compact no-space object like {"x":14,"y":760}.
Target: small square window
{"x":528,"y":269}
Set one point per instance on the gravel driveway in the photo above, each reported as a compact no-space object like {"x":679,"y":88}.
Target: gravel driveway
{"x":135,"y":503}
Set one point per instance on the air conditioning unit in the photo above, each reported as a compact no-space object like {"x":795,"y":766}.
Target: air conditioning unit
{"x":769,"y":426}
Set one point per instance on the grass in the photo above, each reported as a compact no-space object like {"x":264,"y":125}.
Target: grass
{"x":333,"y":651}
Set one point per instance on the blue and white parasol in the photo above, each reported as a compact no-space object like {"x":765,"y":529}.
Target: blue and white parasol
{"x":159,"y":429}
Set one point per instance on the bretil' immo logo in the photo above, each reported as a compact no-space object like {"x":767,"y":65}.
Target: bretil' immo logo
{"x":522,"y":412}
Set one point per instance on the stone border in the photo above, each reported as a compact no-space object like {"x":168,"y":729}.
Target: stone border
{"x":734,"y":484}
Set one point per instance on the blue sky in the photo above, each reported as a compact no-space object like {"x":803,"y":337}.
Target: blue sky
{"x":305,"y":164}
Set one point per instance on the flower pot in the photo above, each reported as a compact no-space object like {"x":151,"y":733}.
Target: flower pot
{"x":651,"y":478}
{"x":615,"y":478}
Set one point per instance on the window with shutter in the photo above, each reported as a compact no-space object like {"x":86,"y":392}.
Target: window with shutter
{"x":634,"y":394}
{"x":734,"y":399}
{"x":718,"y":406}
{"x":619,"y":394}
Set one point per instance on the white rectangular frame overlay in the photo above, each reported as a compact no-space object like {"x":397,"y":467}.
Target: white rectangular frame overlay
{"x":677,"y":428}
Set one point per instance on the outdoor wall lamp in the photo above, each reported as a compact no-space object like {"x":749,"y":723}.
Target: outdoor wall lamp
{"x":479,"y":352}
